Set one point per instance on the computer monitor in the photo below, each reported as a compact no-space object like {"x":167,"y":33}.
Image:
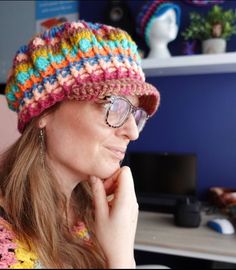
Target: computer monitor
{"x":161,"y":179}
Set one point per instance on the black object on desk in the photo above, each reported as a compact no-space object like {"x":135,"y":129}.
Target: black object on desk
{"x":187,"y":213}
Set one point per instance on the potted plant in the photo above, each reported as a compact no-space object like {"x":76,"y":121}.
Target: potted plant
{"x":212,"y":29}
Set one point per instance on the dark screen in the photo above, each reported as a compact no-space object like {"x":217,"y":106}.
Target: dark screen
{"x":163,"y":173}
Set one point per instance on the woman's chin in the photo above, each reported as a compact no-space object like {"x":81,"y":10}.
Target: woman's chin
{"x":109,"y":171}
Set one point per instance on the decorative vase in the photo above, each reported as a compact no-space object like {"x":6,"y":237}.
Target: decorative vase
{"x":214,"y":45}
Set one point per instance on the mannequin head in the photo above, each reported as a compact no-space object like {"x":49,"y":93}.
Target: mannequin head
{"x":162,"y":28}
{"x":159,"y":22}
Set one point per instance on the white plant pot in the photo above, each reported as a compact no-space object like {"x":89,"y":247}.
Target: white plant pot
{"x":214,"y":45}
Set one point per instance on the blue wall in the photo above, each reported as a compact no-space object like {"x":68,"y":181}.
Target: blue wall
{"x":197,"y":113}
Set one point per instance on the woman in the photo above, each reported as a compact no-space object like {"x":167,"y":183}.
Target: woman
{"x":81,"y":97}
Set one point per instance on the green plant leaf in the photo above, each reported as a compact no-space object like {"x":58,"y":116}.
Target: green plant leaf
{"x":201,"y":26}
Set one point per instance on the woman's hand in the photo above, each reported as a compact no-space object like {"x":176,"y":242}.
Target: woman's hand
{"x":116,"y":219}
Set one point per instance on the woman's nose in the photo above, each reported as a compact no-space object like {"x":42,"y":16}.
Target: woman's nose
{"x":130,"y":128}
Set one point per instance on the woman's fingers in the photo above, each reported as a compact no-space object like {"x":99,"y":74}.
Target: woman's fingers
{"x":100,"y":197}
{"x":116,"y":214}
{"x":125,"y":189}
{"x":110,"y":184}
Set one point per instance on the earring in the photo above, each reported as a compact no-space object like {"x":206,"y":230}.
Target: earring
{"x":42,"y":146}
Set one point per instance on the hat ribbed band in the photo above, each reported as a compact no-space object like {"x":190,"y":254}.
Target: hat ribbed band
{"x":149,"y":96}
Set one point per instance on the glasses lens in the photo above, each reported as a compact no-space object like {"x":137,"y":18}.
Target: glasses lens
{"x":118,"y":112}
{"x":140,"y":117}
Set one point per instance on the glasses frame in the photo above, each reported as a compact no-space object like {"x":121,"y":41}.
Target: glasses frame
{"x":132,"y":110}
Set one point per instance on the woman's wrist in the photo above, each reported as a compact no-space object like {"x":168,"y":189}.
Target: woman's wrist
{"x":119,"y":263}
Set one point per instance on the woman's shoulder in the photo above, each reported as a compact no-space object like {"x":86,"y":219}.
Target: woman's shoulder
{"x":13,"y":254}
{"x":7,"y":245}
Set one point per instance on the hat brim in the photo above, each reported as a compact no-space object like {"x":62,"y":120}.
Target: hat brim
{"x":149,"y":97}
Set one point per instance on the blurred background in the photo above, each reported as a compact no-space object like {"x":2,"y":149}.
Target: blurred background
{"x":197,"y":112}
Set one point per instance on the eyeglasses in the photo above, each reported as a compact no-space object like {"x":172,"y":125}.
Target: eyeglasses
{"x":119,"y":109}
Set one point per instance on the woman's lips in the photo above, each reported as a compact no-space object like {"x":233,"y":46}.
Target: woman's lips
{"x":119,"y":153}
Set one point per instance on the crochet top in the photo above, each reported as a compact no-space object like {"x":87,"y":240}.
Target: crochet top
{"x":14,"y":254}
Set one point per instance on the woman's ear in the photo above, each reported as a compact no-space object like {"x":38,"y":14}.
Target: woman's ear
{"x":47,"y":116}
{"x":43,"y":121}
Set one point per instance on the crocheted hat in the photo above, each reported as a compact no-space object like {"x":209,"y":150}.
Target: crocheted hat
{"x":152,"y":10}
{"x":76,"y":60}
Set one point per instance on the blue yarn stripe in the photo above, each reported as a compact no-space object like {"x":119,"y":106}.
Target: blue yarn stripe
{"x":65,"y":71}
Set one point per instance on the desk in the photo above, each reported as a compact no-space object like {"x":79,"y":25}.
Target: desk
{"x":156,"y":232}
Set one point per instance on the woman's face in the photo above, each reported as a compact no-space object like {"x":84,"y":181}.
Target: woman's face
{"x":80,"y":143}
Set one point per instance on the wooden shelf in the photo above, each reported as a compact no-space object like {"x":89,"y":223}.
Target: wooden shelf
{"x":190,"y":65}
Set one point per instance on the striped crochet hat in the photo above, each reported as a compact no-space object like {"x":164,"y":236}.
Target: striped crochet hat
{"x":76,"y":60}
{"x":151,"y":10}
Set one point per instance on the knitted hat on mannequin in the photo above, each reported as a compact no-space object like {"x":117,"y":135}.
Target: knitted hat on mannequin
{"x":152,"y":10}
{"x":77,"y":60}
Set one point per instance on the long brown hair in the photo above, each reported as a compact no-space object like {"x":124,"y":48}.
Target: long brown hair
{"x":36,"y":207}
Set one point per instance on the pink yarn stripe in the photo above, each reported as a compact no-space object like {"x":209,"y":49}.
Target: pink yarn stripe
{"x":89,"y":91}
{"x":69,"y":80}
